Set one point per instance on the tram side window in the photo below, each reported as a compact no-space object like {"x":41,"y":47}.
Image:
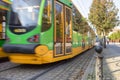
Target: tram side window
{"x":2,"y":26}
{"x":46,"y":23}
{"x":68,"y":23}
{"x":59,"y":22}
{"x":76,"y":19}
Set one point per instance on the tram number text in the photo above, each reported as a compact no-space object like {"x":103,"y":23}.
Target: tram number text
{"x":20,"y":30}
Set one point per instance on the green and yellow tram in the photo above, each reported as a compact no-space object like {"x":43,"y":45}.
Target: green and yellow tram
{"x":43,"y":31}
{"x":4,"y":8}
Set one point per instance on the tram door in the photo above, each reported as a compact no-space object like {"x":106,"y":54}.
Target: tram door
{"x":59,"y":29}
{"x":62,"y":44}
{"x":68,"y":30}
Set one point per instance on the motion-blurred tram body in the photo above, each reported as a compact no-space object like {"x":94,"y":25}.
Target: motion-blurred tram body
{"x":45,"y":31}
{"x":2,"y":54}
{"x":4,"y":9}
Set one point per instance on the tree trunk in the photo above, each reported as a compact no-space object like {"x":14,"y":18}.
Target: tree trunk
{"x":104,"y":39}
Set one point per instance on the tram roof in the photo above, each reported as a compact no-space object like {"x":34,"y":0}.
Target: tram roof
{"x":7,"y":1}
{"x":4,"y":4}
{"x":67,"y":2}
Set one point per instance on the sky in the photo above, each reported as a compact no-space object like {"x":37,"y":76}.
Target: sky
{"x":117,"y":4}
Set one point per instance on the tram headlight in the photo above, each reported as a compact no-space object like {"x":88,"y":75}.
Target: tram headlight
{"x":41,"y":50}
{"x":34,"y":38}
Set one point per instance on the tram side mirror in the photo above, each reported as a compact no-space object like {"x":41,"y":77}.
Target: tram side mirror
{"x":98,"y":49}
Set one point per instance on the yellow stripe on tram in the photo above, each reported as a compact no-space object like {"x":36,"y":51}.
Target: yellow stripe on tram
{"x":2,"y":54}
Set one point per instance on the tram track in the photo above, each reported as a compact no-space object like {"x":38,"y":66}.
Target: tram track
{"x":84,"y":67}
{"x":75,"y":67}
{"x":67,"y":69}
{"x":44,"y":72}
{"x":29,"y":70}
{"x":66,"y":74}
{"x":7,"y":66}
{"x":79,"y":69}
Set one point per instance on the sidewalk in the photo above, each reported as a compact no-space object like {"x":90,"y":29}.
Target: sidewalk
{"x":111,"y":64}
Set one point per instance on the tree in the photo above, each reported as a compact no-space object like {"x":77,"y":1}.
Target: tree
{"x":103,"y":15}
{"x":115,"y":36}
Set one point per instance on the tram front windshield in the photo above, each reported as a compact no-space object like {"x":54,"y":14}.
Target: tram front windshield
{"x":24,"y":13}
